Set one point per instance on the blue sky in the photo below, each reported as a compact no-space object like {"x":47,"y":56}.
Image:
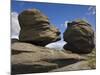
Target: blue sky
{"x":59,"y":13}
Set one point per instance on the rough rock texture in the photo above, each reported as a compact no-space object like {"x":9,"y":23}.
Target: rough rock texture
{"x":28,"y":58}
{"x":88,"y":64}
{"x":36,"y":28}
{"x":82,"y":65}
{"x":79,"y":36}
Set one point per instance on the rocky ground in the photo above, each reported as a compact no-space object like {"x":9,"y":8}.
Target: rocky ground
{"x":27,"y":58}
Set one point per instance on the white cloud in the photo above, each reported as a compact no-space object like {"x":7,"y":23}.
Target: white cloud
{"x":15,"y":28}
{"x":91,"y":10}
{"x":56,"y":45}
{"x":65,"y":24}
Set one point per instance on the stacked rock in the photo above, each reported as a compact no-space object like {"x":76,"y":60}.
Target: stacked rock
{"x":79,"y":36}
{"x":36,"y":28}
{"x":27,"y":55}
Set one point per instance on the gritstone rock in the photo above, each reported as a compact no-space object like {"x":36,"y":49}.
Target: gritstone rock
{"x":36,"y":28}
{"x":28,"y":58}
{"x":79,"y":36}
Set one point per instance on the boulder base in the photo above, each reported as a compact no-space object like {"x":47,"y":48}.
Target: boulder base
{"x":28,"y":58}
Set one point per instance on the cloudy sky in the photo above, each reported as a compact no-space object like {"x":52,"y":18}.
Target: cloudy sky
{"x":59,"y":15}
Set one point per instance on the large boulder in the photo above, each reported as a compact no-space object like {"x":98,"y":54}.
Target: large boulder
{"x":79,"y":36}
{"x":29,"y":58}
{"x":36,"y":28}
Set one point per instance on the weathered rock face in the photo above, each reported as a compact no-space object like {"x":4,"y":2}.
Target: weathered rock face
{"x":36,"y":28}
{"x":79,"y":36}
{"x":28,"y":58}
{"x":82,"y":65}
{"x":89,"y":63}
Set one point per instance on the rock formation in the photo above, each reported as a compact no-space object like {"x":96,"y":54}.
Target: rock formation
{"x":29,"y":58}
{"x":28,"y":55}
{"x":79,"y":36}
{"x":36,"y":28}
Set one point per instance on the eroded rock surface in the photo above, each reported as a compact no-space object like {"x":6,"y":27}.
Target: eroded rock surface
{"x":79,"y":36}
{"x":36,"y":28}
{"x":29,"y":58}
